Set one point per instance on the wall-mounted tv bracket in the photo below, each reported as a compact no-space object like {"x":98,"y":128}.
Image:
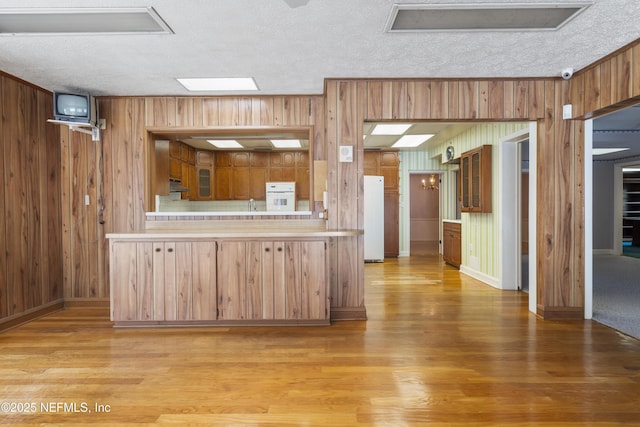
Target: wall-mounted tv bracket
{"x":94,"y":131}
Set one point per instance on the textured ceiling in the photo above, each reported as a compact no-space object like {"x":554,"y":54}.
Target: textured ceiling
{"x":291,"y":50}
{"x":291,"y":46}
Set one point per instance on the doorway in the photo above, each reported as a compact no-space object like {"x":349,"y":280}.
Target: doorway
{"x":523,"y":155}
{"x":518,"y":179}
{"x":425,"y":213}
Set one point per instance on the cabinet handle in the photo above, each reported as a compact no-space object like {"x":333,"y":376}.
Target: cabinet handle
{"x":158,"y":249}
{"x":170,"y":250}
{"x":267,"y":249}
{"x":280,"y":249}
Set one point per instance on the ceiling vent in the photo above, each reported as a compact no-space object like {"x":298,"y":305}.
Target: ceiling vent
{"x":81,"y":21}
{"x":482,"y":17}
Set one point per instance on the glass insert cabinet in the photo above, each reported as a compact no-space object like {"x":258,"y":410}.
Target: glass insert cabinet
{"x":475,"y":180}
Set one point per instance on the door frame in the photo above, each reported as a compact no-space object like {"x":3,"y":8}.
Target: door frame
{"x":407,"y":236}
{"x":510,"y":207}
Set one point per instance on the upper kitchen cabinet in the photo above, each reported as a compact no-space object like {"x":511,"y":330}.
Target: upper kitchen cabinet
{"x":475,"y":180}
{"x":215,"y":172}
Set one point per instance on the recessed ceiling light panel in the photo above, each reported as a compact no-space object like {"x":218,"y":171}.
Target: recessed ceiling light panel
{"x":411,"y":141}
{"x":225,"y":143}
{"x":390,"y":129}
{"x":210,"y":84}
{"x":286,"y":143}
{"x":81,"y":21}
{"x":483,"y":16}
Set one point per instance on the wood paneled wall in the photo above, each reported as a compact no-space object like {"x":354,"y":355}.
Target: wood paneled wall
{"x":112,"y":172}
{"x":337,"y":118}
{"x":346,"y":105}
{"x":30,"y":220}
{"x":607,"y":85}
{"x":560,"y":222}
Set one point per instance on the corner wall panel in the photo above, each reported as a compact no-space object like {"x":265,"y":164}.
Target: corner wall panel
{"x":30,"y":239}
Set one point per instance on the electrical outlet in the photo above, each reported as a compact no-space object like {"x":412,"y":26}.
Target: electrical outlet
{"x":87,"y":200}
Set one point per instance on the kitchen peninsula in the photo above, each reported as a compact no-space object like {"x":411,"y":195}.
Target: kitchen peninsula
{"x":222,"y":272}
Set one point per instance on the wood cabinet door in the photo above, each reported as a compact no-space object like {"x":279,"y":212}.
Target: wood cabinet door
{"x":281,"y":174}
{"x":241,"y":159}
{"x":204,"y":266}
{"x":391,"y":224}
{"x":268,"y":278}
{"x":389,"y":158}
{"x":292,"y":280}
{"x":475,"y":180}
{"x":255,"y":295}
{"x":231,"y":280}
{"x":135,"y":294}
{"x":151,"y":290}
{"x":288,"y":158}
{"x":259,"y":159}
{"x":184,"y":268}
{"x":303,"y":183}
{"x":222,"y":183}
{"x":222,"y":159}
{"x":456,"y":249}
{"x":187,"y":180}
{"x":204,"y":183}
{"x":241,"y":183}
{"x":257,"y":183}
{"x":451,"y":243}
{"x":314,"y":299}
{"x":175,"y":168}
{"x":204,"y":158}
{"x":123,"y":274}
{"x":174,"y":149}
{"x":370,"y":163}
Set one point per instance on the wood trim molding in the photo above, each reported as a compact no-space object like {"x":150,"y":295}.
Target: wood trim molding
{"x":87,"y":303}
{"x":29,"y":315}
{"x":348,"y":313}
{"x":560,"y":313}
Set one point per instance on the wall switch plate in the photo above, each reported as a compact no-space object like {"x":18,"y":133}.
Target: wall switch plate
{"x":567,"y":111}
{"x":87,"y":200}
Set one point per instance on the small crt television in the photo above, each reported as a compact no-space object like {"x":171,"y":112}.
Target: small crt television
{"x":76,"y":108}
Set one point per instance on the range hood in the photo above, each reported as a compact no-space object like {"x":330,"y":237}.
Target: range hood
{"x":175,"y":186}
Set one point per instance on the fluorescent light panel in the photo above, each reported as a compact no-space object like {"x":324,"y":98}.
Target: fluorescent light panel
{"x":603,"y":151}
{"x":411,"y":141}
{"x":483,"y":17}
{"x":225,"y":143}
{"x":286,"y":143}
{"x":218,"y":84}
{"x":81,"y":21}
{"x":390,"y":129}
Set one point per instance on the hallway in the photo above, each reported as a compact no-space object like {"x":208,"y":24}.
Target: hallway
{"x":438,"y":347}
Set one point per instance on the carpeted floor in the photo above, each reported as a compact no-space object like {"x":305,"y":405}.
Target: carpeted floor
{"x":616,"y":293}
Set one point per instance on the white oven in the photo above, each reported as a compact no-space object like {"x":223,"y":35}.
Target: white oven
{"x":281,"y":196}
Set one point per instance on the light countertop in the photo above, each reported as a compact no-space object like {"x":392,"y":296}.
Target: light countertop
{"x":231,"y":213}
{"x":455,"y":221}
{"x":229,"y":229}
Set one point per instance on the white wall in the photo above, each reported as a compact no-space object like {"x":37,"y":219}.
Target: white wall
{"x":603,"y":206}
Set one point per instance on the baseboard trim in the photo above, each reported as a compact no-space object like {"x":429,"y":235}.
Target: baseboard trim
{"x":603,"y":252}
{"x":29,"y":315}
{"x":216,"y":323}
{"x":484,"y":278}
{"x":348,"y":313}
{"x":86,"y":303}
{"x":560,"y":313}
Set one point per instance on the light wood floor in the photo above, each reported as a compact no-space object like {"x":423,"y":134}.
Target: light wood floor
{"x":438,"y":348}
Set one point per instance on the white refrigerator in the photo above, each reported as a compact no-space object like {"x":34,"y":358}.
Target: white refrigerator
{"x":373,"y":218}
